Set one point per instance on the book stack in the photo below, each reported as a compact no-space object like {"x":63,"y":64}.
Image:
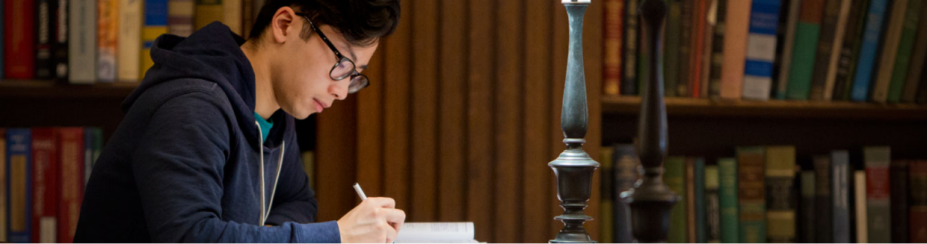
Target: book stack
{"x":90,"y":41}
{"x":44,"y":170}
{"x":821,"y":50}
{"x":761,"y":194}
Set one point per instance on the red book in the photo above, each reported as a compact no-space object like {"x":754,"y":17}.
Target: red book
{"x":614,"y":27}
{"x":19,"y":39}
{"x":44,"y":185}
{"x":918,"y":208}
{"x":72,"y":181}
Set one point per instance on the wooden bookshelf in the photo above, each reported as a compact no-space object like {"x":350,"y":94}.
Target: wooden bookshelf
{"x":630,"y":105}
{"x":50,"y":89}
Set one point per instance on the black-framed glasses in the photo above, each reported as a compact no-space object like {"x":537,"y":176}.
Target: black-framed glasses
{"x":344,"y":67}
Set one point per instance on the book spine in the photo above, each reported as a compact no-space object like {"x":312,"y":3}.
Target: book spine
{"x":3,"y":182}
{"x":918,"y":210}
{"x":107,"y":30}
{"x":44,"y":63}
{"x":675,"y":180}
{"x":825,"y":46}
{"x":19,"y":31}
{"x":905,"y":49}
{"x":804,"y":54}
{"x":878,"y":193}
{"x":761,"y":49}
{"x":180,"y":17}
{"x":700,"y":19}
{"x":849,"y":50}
{"x":629,"y":64}
{"x":781,"y":198}
{"x":2,"y":37}
{"x":155,"y":25}
{"x":672,"y":35}
{"x":44,"y":183}
{"x":889,"y":51}
{"x":863,"y":219}
{"x":823,"y":208}
{"x":712,"y":205}
{"x":918,"y":59}
{"x":922,"y":88}
{"x":752,"y":194}
{"x":607,"y":200}
{"x":129,"y":46}
{"x":699,"y":182}
{"x":685,"y":50}
{"x":690,"y":201}
{"x":613,"y":26}
{"x":707,"y":46}
{"x":840,"y":170}
{"x":97,"y":146}
{"x":869,"y":50}
{"x":19,"y":166}
{"x":60,"y":48}
{"x":899,"y":201}
{"x":207,"y":11}
{"x":808,"y":211}
{"x":727,"y":196}
{"x":834,"y":61}
{"x":625,"y":175}
{"x":82,"y":42}
{"x":72,"y":149}
{"x":781,"y":32}
{"x":787,"y":49}
{"x":92,"y":141}
{"x":735,"y":47}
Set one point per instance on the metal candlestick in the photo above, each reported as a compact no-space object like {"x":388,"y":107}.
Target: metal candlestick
{"x":574,"y":168}
{"x":650,"y":199}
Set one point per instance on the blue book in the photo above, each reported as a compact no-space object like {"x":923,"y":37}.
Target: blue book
{"x":761,"y":49}
{"x":869,"y":50}
{"x":1,"y":46}
{"x":19,"y":181}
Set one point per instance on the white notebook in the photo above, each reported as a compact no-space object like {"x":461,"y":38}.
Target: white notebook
{"x":436,"y":232}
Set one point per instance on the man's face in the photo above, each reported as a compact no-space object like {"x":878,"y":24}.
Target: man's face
{"x":302,"y":83}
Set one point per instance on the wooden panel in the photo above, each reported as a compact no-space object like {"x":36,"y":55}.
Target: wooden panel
{"x":560,"y":27}
{"x":424,"y":100}
{"x":537,"y":126}
{"x":336,"y":143}
{"x":370,"y":127}
{"x":479,"y":119}
{"x":453,"y":101}
{"x":507,"y":127}
{"x":396,"y":180}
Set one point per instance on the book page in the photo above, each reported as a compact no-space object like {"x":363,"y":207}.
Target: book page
{"x":413,"y":232}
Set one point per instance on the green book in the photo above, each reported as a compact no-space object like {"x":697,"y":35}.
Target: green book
{"x":727,"y":199}
{"x":905,"y":48}
{"x":674,"y":177}
{"x":700,"y":224}
{"x":712,"y":208}
{"x":750,"y":171}
{"x":780,"y":193}
{"x":807,"y":32}
{"x":672,"y":38}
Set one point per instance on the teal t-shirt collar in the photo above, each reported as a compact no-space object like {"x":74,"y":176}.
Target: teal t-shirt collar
{"x":265,"y":126}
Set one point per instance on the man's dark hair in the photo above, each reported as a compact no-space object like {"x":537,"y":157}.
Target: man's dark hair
{"x":360,"y":21}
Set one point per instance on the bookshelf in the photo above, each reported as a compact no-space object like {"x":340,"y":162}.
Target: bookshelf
{"x":50,"y":89}
{"x":695,"y":107}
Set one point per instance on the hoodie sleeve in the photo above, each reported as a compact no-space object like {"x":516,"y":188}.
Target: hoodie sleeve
{"x":178,"y":168}
{"x":294,"y":200}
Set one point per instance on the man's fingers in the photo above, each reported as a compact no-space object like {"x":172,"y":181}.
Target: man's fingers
{"x":395,"y":217}
{"x":390,"y":234}
{"x":383,"y":202}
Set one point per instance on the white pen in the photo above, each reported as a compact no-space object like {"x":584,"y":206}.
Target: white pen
{"x":360,"y":192}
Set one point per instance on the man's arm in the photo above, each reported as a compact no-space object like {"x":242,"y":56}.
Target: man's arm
{"x":294,"y":200}
{"x":179,"y":169}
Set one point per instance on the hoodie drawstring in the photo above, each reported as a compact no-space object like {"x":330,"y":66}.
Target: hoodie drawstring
{"x":265,"y":211}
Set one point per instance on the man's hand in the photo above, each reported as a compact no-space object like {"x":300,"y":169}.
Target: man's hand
{"x":374,"y":220}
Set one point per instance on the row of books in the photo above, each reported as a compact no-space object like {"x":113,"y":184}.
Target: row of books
{"x":851,"y":50}
{"x":762,"y":195}
{"x":90,"y":41}
{"x":44,"y":171}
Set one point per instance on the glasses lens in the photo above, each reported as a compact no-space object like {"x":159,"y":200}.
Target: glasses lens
{"x":343,"y":69}
{"x":357,"y":83}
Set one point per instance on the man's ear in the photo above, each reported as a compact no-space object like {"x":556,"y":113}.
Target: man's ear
{"x":283,"y":24}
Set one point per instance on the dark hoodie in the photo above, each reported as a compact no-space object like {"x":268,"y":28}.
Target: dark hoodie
{"x":186,"y":163}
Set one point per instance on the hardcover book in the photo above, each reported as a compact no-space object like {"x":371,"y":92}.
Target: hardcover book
{"x":899,"y":186}
{"x":781,"y":198}
{"x":19,"y":166}
{"x":751,"y":164}
{"x":728,"y":200}
{"x":878,"y":194}
{"x":761,"y":49}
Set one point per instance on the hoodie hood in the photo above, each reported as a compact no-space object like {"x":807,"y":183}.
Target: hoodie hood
{"x":214,"y":54}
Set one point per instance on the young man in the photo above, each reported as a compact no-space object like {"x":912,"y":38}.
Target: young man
{"x":207,"y":150}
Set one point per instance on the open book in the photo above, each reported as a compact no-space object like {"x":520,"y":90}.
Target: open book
{"x":436,"y":232}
